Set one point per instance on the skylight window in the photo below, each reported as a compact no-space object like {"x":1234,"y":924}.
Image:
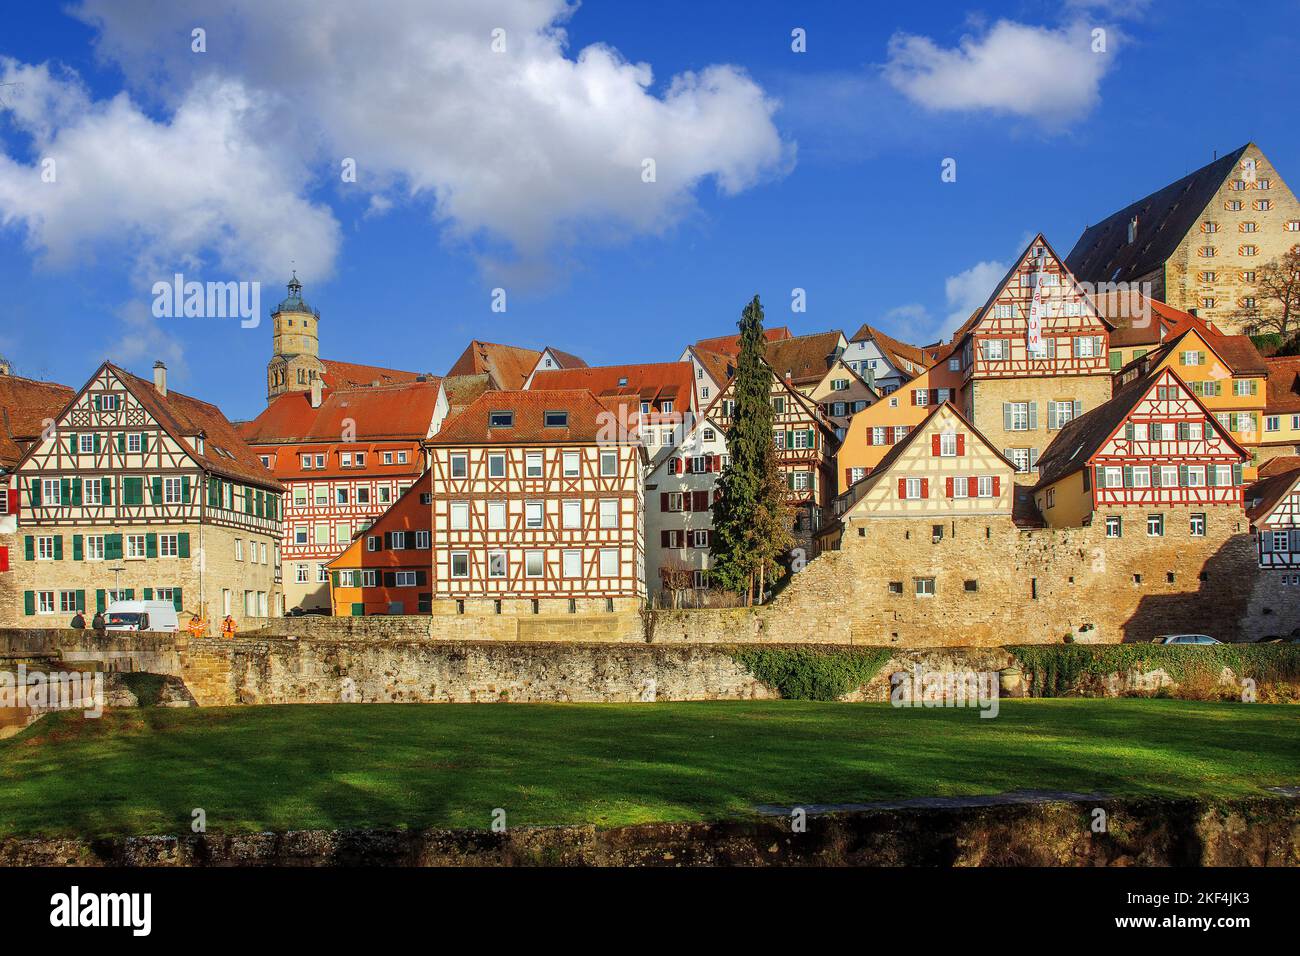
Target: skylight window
{"x":557,"y":419}
{"x":501,"y":419}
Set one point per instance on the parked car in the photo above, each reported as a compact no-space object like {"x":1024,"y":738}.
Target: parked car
{"x":304,"y":611}
{"x":141,"y":616}
{"x":1186,"y":639}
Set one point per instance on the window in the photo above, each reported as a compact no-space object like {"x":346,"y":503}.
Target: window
{"x":1206,"y":252}
{"x":709,"y":434}
{"x":460,"y":564}
{"x":341,"y":495}
{"x":1169,"y":476}
{"x":1209,"y":227}
{"x":1248,"y":250}
{"x":571,"y":564}
{"x":912,"y":488}
{"x":954,"y":364}
{"x":460,"y":516}
{"x":571,"y":513}
{"x":300,"y":573}
{"x":801,"y":481}
{"x":1004,"y":310}
{"x":86,"y":443}
{"x":459,"y":466}
{"x":1197,"y":526}
{"x":496,"y":515}
{"x":557,"y":419}
{"x":92,"y":491}
{"x":50,"y":491}
{"x":920,"y":397}
{"x":300,"y":534}
{"x":322,"y":574}
{"x":1114,"y":526}
{"x":924,"y":587}
{"x":501,"y":419}
{"x":984,"y":486}
{"x":1087,"y":346}
{"x":44,"y":602}
{"x":45,"y":548}
{"x":401,"y":458}
{"x":1155,"y":526}
{"x":421,"y":540}
{"x":704,"y":391}
{"x":608,"y":464}
{"x":571,"y":466}
{"x":778,"y":404}
{"x":948,"y":445}
{"x":95,"y":547}
{"x":169,"y":545}
{"x":666,"y":406}
{"x":1020,"y":458}
{"x":1112,"y":477}
{"x":609,"y":562}
{"x":533,"y":564}
{"x":345,"y":459}
{"x":839,"y":384}
{"x":532,"y":514}
{"x":878,"y":435}
{"x":320,"y":461}
{"x":135,"y":546}
{"x":533,"y":464}
{"x":496,"y":564}
{"x":496,"y":466}
{"x":360,"y":459}
{"x":895,"y":587}
{"x":609,"y":512}
{"x":388,"y":458}
{"x":1017,"y":416}
{"x":1142,"y":477}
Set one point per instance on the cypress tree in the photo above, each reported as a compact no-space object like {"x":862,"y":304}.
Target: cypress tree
{"x":746,"y":538}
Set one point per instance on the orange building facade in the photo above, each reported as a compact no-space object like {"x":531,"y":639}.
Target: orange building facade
{"x":388,"y":568}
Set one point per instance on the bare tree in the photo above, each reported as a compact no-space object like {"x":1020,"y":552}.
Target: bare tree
{"x":1277,"y":303}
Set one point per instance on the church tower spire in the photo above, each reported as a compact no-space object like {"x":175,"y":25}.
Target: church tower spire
{"x":295,"y":344}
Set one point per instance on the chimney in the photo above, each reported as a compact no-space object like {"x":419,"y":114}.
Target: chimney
{"x":160,"y":378}
{"x":315,"y":393}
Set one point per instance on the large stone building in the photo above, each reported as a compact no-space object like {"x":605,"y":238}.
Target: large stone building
{"x":137,"y":491}
{"x":1032,"y":358}
{"x":345,"y":456}
{"x":1199,"y":242}
{"x":537,"y":507}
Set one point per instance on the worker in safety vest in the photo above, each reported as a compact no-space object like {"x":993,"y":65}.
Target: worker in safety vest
{"x":228,"y":626}
{"x":198,"y":626}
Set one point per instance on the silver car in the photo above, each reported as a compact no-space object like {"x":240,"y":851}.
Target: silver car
{"x":1186,"y":639}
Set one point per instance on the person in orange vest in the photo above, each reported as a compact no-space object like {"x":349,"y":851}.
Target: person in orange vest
{"x":198,"y":626}
{"x":228,"y":626}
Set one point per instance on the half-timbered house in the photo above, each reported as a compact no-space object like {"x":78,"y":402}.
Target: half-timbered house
{"x":1033,"y":357}
{"x":713,"y":362}
{"x":1153,"y":456}
{"x":885,"y":362}
{"x":537,"y":504}
{"x":136,"y":491}
{"x":345,"y":457}
{"x":388,"y":568}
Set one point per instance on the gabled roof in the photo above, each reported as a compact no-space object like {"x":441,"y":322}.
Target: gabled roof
{"x":396,"y":517}
{"x":642,"y":383}
{"x":805,"y":357}
{"x":376,"y":412}
{"x":730,"y":344}
{"x":1080,"y":439}
{"x":589,"y":420}
{"x":463,"y":389}
{"x":1283,"y":383}
{"x":1104,"y":254}
{"x":25,"y":405}
{"x":922,"y":357}
{"x":225,"y":453}
{"x":1264,"y":495}
{"x":508,"y":366}
{"x":719,"y":367}
{"x":1275,"y":466}
{"x":1237,"y":352}
{"x":566,"y":359}
{"x":1140,"y":320}
{"x":352,"y":375}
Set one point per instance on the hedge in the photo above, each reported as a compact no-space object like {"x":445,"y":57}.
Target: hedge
{"x":812,"y":673}
{"x":1054,"y":669}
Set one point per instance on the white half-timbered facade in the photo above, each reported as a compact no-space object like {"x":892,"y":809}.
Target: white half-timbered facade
{"x":138,"y":492}
{"x":538,"y":495}
{"x":1273,"y":507}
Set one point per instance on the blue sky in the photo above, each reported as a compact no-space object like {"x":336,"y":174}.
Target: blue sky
{"x":521,"y":169}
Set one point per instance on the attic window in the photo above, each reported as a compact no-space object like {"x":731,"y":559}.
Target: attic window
{"x":557,"y":419}
{"x":501,"y":419}
{"x":622,"y":382}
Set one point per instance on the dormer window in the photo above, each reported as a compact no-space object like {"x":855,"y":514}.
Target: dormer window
{"x":198,"y":444}
{"x":549,"y":363}
{"x":666,"y":406}
{"x":622,"y":382}
{"x":501,"y":419}
{"x":557,"y":419}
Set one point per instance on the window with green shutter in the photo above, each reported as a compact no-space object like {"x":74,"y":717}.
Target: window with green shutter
{"x":183,"y":544}
{"x":176,"y":598}
{"x":29,"y":602}
{"x":156,"y":490}
{"x":78,"y":552}
{"x":58,"y":547}
{"x":29,"y":548}
{"x":151,"y":545}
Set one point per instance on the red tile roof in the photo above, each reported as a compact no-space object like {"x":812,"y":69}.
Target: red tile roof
{"x":922,"y":357}
{"x":1275,"y":466}
{"x":1263,"y":496}
{"x":351,"y":375}
{"x":719,"y":367}
{"x":807,"y":358}
{"x":589,"y":420}
{"x":25,"y":405}
{"x":286,"y":460}
{"x":508,"y":365}
{"x":730,"y":344}
{"x":644,"y":383}
{"x":1283,"y":384}
{"x":377,"y":412}
{"x":225,"y":452}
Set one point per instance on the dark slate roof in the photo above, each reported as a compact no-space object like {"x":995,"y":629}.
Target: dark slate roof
{"x":1104,"y":254}
{"x":1080,"y":438}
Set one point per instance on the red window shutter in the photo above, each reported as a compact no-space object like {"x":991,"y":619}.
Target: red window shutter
{"x":701,"y":501}
{"x":913,"y":391}
{"x":972,"y":487}
{"x":902,"y":487}
{"x":674,"y":465}
{"x":871,"y":435}
{"x":665,"y":538}
{"x":934,"y":396}
{"x":961,"y":444}
{"x":686,"y":466}
{"x":708,"y":538}
{"x":686,"y":501}
{"x":4,"y":559}
{"x":948,"y":483}
{"x":925,"y":487}
{"x":997,"y":484}
{"x":663,"y":501}
{"x":934,"y":445}
{"x":848,"y":477}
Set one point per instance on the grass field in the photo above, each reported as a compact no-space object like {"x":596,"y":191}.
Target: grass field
{"x":293,"y":767}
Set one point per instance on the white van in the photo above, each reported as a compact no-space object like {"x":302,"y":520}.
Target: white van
{"x":141,"y":616}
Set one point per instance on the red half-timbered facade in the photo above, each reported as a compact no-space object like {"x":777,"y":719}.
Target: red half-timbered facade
{"x":537,"y":495}
{"x":1153,"y":446}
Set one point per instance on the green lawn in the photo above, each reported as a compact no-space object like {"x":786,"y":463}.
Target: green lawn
{"x":290,"y":767}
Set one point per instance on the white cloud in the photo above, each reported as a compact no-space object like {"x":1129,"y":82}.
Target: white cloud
{"x":1050,"y":75}
{"x":516,"y":152}
{"x":968,"y":290}
{"x":198,"y":190}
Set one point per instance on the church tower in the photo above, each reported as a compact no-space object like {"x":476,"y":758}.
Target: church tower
{"x":295,"y":345}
